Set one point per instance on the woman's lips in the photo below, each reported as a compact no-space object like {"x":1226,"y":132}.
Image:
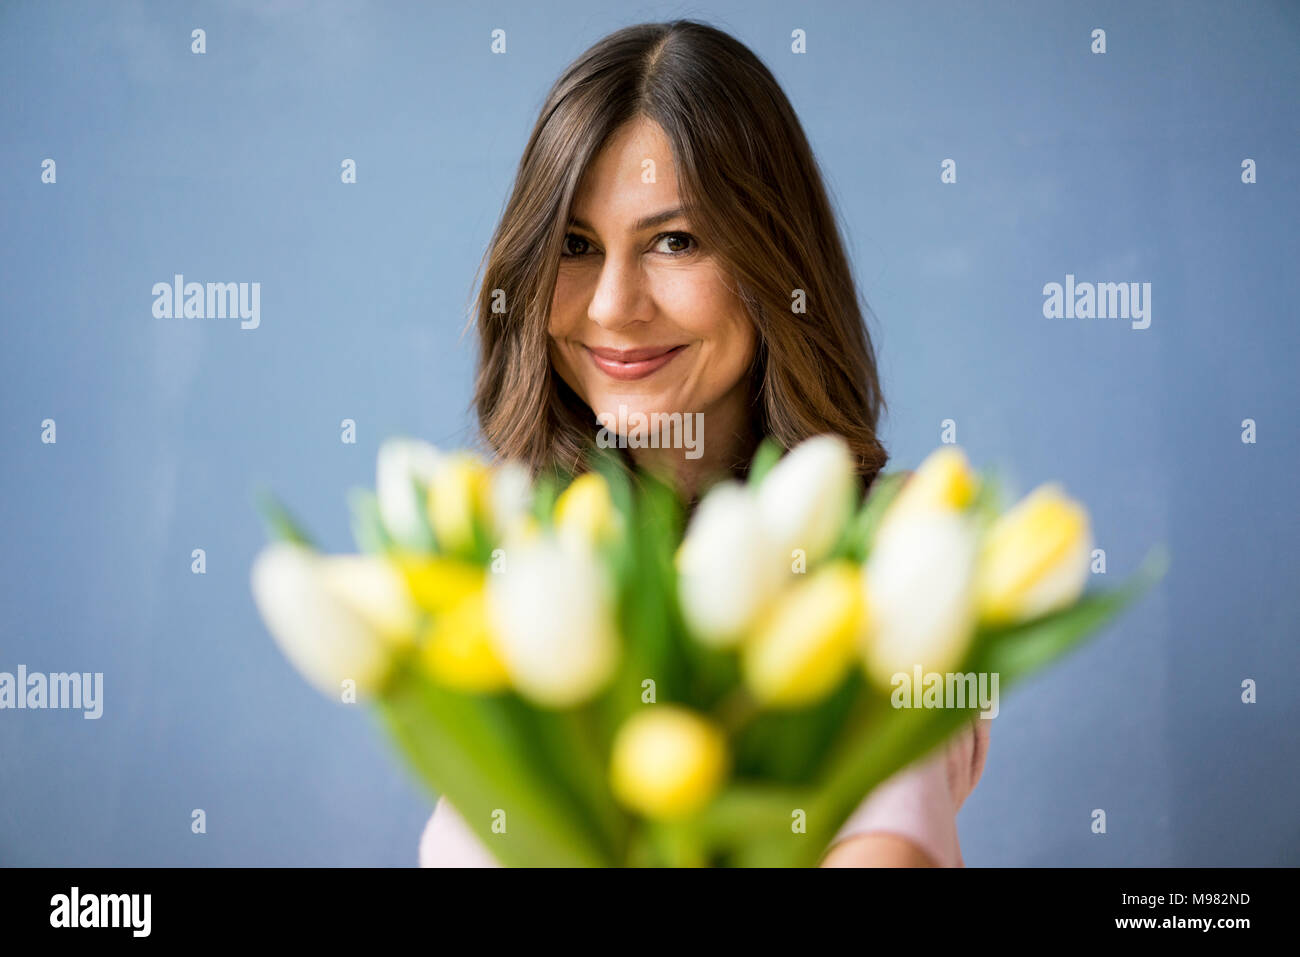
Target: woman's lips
{"x":627,"y":364}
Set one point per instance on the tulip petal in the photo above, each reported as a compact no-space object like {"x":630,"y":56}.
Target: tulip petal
{"x":805,"y":501}
{"x":322,"y":635}
{"x":919,"y":584}
{"x":553,"y":623}
{"x":1035,"y":558}
{"x":803,"y":650}
{"x":727,"y":567}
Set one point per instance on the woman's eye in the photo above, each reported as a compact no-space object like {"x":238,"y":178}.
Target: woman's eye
{"x":674,"y":244}
{"x":574,"y":245}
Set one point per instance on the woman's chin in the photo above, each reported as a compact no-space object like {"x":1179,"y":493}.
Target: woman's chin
{"x":629,"y":405}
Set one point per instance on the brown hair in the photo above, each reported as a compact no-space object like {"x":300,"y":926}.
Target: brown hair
{"x":752,"y":190}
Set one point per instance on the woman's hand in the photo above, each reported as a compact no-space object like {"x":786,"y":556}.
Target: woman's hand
{"x":910,"y":820}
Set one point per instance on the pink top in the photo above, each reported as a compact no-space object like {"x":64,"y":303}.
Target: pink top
{"x":919,"y":803}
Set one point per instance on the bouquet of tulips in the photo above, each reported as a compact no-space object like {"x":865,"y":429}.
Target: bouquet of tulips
{"x":592,"y":680}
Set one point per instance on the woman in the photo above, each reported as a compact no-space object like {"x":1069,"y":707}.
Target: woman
{"x":669,"y":248}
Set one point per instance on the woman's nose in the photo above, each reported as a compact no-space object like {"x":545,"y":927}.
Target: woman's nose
{"x":621,"y":296}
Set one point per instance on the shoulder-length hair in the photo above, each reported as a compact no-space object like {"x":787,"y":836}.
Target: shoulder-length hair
{"x":752,"y":191}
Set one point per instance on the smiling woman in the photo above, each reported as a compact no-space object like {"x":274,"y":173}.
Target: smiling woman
{"x":669,"y":249}
{"x":643,"y":316}
{"x":667,"y":220}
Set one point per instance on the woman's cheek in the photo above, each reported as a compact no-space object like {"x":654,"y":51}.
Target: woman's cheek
{"x":565,"y":304}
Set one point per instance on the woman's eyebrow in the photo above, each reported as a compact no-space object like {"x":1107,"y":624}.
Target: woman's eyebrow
{"x":644,"y":223}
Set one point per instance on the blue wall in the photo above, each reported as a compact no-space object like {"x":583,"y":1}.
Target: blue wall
{"x":225,"y":167}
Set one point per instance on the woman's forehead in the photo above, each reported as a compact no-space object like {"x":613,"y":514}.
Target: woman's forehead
{"x":631,"y":180}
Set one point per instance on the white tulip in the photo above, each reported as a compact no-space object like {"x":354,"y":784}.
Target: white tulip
{"x":553,"y":623}
{"x":334,"y":617}
{"x":920,"y":594}
{"x":400,"y":462}
{"x":374,"y":590}
{"x":510,"y":495}
{"x":727,"y":567}
{"x":805,"y":501}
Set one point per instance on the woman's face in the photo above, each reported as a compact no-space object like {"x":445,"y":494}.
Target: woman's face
{"x":643,"y":315}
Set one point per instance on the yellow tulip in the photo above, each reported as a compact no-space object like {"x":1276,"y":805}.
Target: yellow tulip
{"x":801,"y":652}
{"x":1035,"y":558}
{"x":459,"y":650}
{"x":586,"y":509}
{"x":438,"y":584}
{"x":667,"y":762}
{"x":459,"y":489}
{"x":944,"y":480}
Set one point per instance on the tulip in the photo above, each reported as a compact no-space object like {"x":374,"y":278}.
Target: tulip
{"x":667,"y":762}
{"x":1035,"y":558}
{"x":525,"y":530}
{"x":919,"y":585}
{"x":803,"y":650}
{"x":458,"y":498}
{"x":334,"y":617}
{"x":552,"y":620}
{"x":373,"y":588}
{"x":510,"y":494}
{"x":459,"y":651}
{"x":401,"y":463}
{"x":944,"y":480}
{"x":585,"y":510}
{"x":727,"y":568}
{"x":805,"y":501}
{"x":436,"y":583}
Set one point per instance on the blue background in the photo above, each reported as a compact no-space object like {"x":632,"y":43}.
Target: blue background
{"x":225,"y":167}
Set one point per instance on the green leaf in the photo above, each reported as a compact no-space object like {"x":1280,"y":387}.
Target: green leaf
{"x":862,"y":528}
{"x":789,"y":745}
{"x":750,"y":825}
{"x":367,"y":527}
{"x":749,"y":808}
{"x":484,"y":752}
{"x":990,"y":499}
{"x":1018,"y":651}
{"x":765,"y":458}
{"x":549,"y":485}
{"x":654,"y":644}
{"x":280,"y":524}
{"x":424,"y":537}
{"x":579,"y":749}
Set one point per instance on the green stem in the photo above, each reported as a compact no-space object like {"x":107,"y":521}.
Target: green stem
{"x":735,"y":711}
